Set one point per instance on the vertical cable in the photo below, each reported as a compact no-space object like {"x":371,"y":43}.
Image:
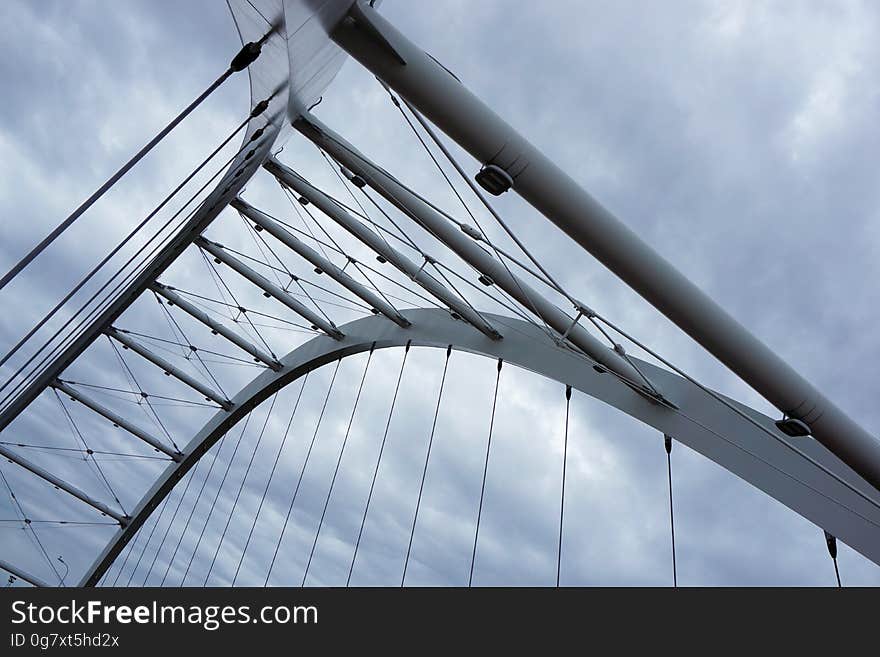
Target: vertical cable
{"x":338,"y":462}
{"x":302,"y":473}
{"x":158,"y":517}
{"x":271,"y":474}
{"x":192,"y":511}
{"x":562,"y":497}
{"x":412,"y":532}
{"x":241,"y":485}
{"x":217,"y":492}
{"x":378,"y":462}
{"x":190,"y":477}
{"x":831,"y":542}
{"x":485,"y":471}
{"x":667,"y":443}
{"x":105,"y":578}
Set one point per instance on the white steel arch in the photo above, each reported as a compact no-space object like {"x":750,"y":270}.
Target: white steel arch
{"x":803,"y":475}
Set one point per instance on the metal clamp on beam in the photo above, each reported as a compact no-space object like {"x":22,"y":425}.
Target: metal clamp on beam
{"x":494,"y":179}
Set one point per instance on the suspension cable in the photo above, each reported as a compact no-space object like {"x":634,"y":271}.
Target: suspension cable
{"x":85,"y":451}
{"x":562,"y":496}
{"x":241,"y":485}
{"x":412,"y":531}
{"x":485,"y":471}
{"x":667,"y":443}
{"x":132,"y":545}
{"x":338,"y":462}
{"x":302,"y":473}
{"x":109,"y":389}
{"x":76,"y":288}
{"x":271,"y":475}
{"x":146,"y":545}
{"x":193,"y":509}
{"x":216,"y":497}
{"x":247,"y":55}
{"x":378,"y":462}
{"x":831,"y":543}
{"x":189,"y":480}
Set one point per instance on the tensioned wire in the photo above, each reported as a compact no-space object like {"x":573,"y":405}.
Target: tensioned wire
{"x":302,"y":473}
{"x":338,"y":463}
{"x":412,"y":532}
{"x":241,"y":485}
{"x":271,"y":475}
{"x":378,"y":463}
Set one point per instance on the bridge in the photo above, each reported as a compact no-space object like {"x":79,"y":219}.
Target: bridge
{"x":228,"y":315}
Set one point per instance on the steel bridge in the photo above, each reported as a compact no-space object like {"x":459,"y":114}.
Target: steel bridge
{"x":471,"y":294}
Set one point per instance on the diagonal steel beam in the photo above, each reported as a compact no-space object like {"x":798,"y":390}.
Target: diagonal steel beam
{"x":175,"y":299}
{"x":169,"y":368}
{"x":22,"y":575}
{"x":268,"y":287}
{"x":272,"y":227}
{"x":63,"y":485}
{"x":416,"y":273}
{"x":115,"y":418}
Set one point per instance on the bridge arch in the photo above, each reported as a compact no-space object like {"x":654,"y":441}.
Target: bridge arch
{"x":804,"y":475}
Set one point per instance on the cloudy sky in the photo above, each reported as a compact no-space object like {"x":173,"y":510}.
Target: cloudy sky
{"x":736,"y":137}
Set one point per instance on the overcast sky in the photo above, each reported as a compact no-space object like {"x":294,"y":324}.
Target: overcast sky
{"x":738,"y":138}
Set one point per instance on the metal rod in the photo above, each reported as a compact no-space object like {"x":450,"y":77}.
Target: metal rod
{"x":64,"y":225}
{"x":168,"y":368}
{"x":169,"y":294}
{"x":274,"y":228}
{"x":416,"y":273}
{"x":116,"y":419}
{"x":441,"y":97}
{"x":397,"y":194}
{"x":63,"y":485}
{"x":27,"y":577}
{"x":269,"y":287}
{"x":243,"y":58}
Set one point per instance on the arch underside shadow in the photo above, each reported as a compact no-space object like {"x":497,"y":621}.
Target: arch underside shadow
{"x":784,"y":468}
